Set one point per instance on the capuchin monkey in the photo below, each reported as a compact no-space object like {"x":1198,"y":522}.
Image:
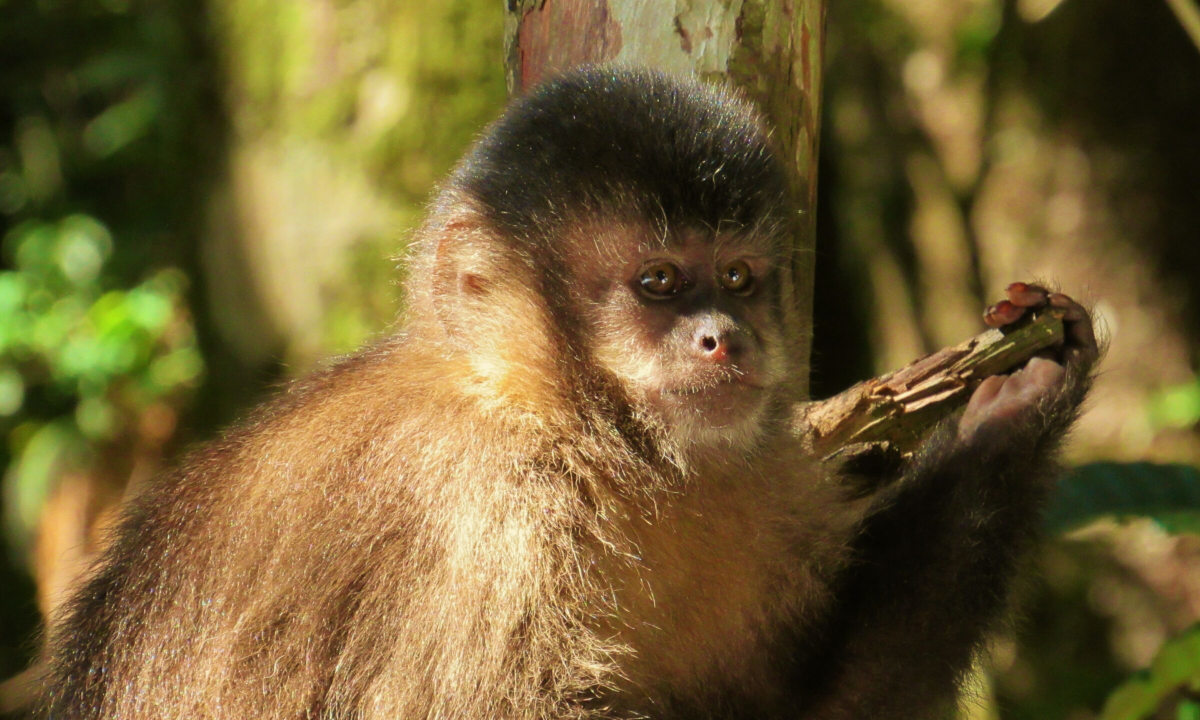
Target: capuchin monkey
{"x":572,"y":485}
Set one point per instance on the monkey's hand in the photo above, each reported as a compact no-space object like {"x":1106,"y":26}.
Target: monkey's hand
{"x":1053,"y":382}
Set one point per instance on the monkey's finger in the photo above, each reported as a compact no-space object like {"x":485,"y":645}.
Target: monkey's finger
{"x":987,"y":390}
{"x":1019,"y":297}
{"x":1039,"y":375}
{"x":1074,"y":311}
{"x":1026,"y":295}
{"x":1081,"y":336}
{"x":975,"y":414}
{"x":1002,"y":313}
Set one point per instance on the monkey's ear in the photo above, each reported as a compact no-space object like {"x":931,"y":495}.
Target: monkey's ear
{"x":460,"y":260}
{"x":460,"y":276}
{"x":475,"y":279}
{"x":484,"y":295}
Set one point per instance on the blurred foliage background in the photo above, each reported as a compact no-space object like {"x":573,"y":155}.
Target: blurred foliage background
{"x":201,"y":198}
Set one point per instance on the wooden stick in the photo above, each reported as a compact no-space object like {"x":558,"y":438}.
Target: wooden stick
{"x":893,"y":412}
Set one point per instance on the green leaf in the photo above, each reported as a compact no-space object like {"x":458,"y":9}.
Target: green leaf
{"x":181,"y":368}
{"x":34,"y":244}
{"x":44,"y":454}
{"x":1176,"y":668}
{"x":96,"y":418}
{"x":1168,"y":493}
{"x":12,"y":390}
{"x":83,"y":246}
{"x":1176,"y":407}
{"x":123,"y":123}
{"x":149,"y":308}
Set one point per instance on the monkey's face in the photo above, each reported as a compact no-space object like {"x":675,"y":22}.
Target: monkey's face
{"x":692,"y":329}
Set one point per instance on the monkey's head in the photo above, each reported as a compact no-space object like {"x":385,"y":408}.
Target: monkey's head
{"x":624,"y":238}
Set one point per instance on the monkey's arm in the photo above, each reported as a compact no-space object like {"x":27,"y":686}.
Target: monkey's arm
{"x":934,"y":564}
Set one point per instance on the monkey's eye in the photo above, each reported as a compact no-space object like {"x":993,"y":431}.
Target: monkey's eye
{"x":662,"y":280}
{"x":737,"y":278}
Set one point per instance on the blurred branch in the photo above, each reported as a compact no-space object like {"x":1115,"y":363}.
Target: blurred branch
{"x":1188,"y":14}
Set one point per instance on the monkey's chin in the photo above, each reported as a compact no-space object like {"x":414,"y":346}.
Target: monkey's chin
{"x":727,"y":414}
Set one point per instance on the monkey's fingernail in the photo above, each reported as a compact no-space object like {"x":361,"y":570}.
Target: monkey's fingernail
{"x":1080,"y":333}
{"x":1002,"y":313}
{"x":1025,"y":295}
{"x":1074,"y":310}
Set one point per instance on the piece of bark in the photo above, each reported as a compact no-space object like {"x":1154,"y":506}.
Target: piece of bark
{"x":892,"y":413}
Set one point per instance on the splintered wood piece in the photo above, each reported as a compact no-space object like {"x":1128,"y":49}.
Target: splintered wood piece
{"x":893,"y":412}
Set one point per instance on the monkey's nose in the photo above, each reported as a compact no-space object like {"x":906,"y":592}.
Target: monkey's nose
{"x":716,"y":346}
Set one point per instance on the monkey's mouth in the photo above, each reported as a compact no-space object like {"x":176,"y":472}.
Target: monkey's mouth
{"x":722,"y":385}
{"x":718,"y":398}
{"x":726,"y":380}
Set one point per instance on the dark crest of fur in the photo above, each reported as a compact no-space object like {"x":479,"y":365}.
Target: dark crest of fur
{"x":604,"y":138}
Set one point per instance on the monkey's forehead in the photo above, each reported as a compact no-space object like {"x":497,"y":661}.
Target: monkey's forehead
{"x":669,"y":150}
{"x":633,"y":237}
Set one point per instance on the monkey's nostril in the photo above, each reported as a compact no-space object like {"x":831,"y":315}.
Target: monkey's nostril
{"x":713,"y":348}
